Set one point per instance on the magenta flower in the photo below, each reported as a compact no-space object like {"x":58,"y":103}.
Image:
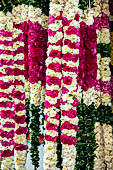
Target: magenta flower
{"x":52,"y":93}
{"x":67,"y":80}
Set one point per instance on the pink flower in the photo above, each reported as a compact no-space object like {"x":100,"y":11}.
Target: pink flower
{"x":70,"y":113}
{"x":55,"y":66}
{"x":72,"y":30}
{"x":20,"y":119}
{"x":5,"y":33}
{"x":68,"y":125}
{"x":77,"y":16}
{"x":68,"y":140}
{"x":55,"y":54}
{"x":5,"y":85}
{"x":50,"y":138}
{"x":51,"y":19}
{"x":53,"y":80}
{"x":6,"y":153}
{"x":66,"y":22}
{"x":75,"y":103}
{"x":67,"y":80}
{"x":8,"y":52}
{"x":47,"y":104}
{"x":6,"y":143}
{"x":70,"y":57}
{"x":51,"y":33}
{"x":17,"y":82}
{"x":8,"y":135}
{"x":50,"y":126}
{"x":18,"y":51}
{"x":7,"y":114}
{"x":21,"y":130}
{"x":20,"y":147}
{"x":19,"y":107}
{"x":65,"y":90}
{"x":9,"y":125}
{"x":70,"y":69}
{"x":7,"y":104}
{"x":52,"y":93}
{"x":19,"y":95}
{"x":72,"y":45}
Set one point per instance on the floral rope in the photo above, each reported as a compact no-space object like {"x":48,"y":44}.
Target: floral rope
{"x":37,"y":47}
{"x":7,"y":122}
{"x":53,"y":85}
{"x":69,"y":101}
{"x":19,"y":92}
{"x":99,"y":159}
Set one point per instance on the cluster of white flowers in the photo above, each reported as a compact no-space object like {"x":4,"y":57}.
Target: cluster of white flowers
{"x":99,"y":159}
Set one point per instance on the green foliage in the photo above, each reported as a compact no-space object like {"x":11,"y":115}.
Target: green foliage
{"x":104,"y":50}
{"x":84,"y":4}
{"x":35,"y":123}
{"x":59,"y":148}
{"x":27,"y":102}
{"x":35,"y":134}
{"x":86,"y":143}
{"x":6,"y":5}
{"x":104,"y":115}
{"x":111,"y":26}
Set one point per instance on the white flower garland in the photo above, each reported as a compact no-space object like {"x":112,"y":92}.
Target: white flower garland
{"x":99,"y":159}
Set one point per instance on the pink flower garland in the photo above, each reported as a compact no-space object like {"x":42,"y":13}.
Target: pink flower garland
{"x":70,"y":63}
{"x":53,"y":85}
{"x":7,"y":114}
{"x":20,"y":146}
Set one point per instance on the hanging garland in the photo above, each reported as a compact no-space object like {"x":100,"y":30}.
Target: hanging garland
{"x":20,"y":152}
{"x":69,"y":119}
{"x":53,"y":85}
{"x":86,"y":144}
{"x":7,"y":114}
{"x":37,"y":40}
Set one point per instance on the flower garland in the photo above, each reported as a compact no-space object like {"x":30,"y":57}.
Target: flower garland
{"x":103,"y":83}
{"x":86,"y":78}
{"x":19,"y":91}
{"x":37,"y":47}
{"x":111,"y":54}
{"x":100,"y":155}
{"x":7,"y":123}
{"x":53,"y":84}
{"x":106,"y":98}
{"x":69,"y":101}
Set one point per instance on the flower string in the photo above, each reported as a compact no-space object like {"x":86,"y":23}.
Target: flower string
{"x":7,"y":123}
{"x":69,"y":101}
{"x":100,"y":155}
{"x":53,"y":84}
{"x":20,"y":149}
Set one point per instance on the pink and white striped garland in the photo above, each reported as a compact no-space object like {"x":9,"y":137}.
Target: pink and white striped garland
{"x":7,"y":114}
{"x":69,"y":101}
{"x":20,"y":149}
{"x":53,"y":85}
